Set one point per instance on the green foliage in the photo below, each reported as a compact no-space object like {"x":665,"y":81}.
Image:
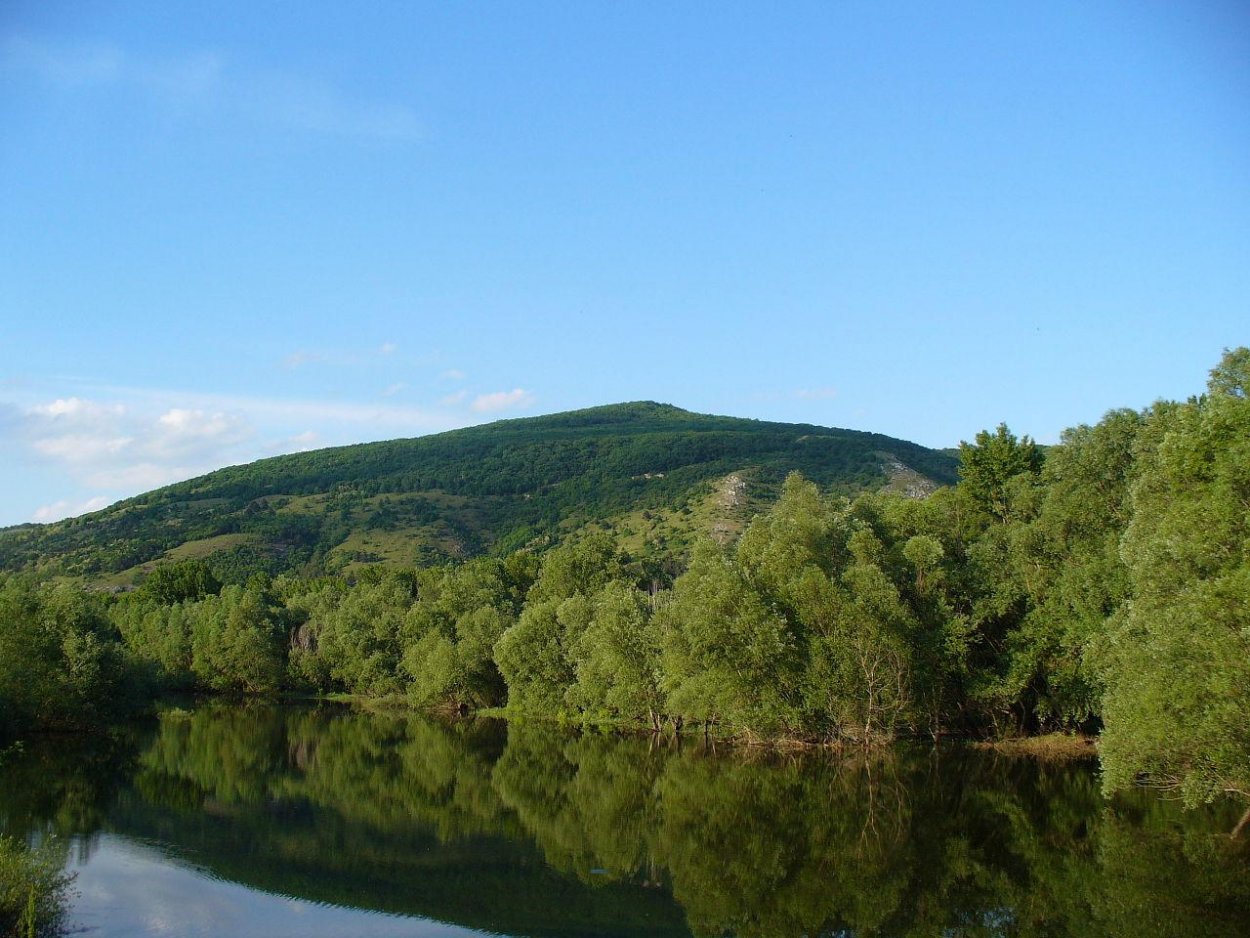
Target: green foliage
{"x":1178,"y":657}
{"x":1107,"y":583}
{"x":356,"y":633}
{"x":532,"y":654}
{"x":727,"y":656}
{"x":483,"y":489}
{"x":33,"y":890}
{"x":987,"y":468}
{"x":157,"y":636}
{"x":61,"y":664}
{"x":577,"y":567}
{"x":617,"y":657}
{"x":450,"y":634}
{"x":1071,"y":568}
{"x":185,"y":581}
{"x":238,"y":640}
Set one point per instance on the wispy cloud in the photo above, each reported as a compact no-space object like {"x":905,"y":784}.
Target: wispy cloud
{"x":392,"y":389}
{"x":453,"y":374}
{"x":375,"y":416}
{"x":456,"y":397}
{"x":63,"y":63}
{"x":205,"y":79}
{"x":343,"y":358}
{"x":303,"y":357}
{"x":300,"y":443}
{"x":816,"y":394}
{"x":67,"y":509}
{"x":306,"y":104}
{"x":502,"y":400}
{"x":68,"y":409}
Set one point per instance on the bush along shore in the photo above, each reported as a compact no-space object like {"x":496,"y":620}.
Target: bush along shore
{"x":34,"y":890}
{"x":1098,"y":585}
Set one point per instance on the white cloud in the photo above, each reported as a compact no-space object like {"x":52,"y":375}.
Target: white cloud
{"x":77,"y":407}
{"x":303,"y":441}
{"x":143,"y":476}
{"x":129,"y":447}
{"x":393,"y":389}
{"x":453,"y":374}
{"x":46,"y":514}
{"x":502,"y":400}
{"x":377,"y":416}
{"x":816,"y":394}
{"x":341,"y":358}
{"x":182,"y":433}
{"x":81,"y":447}
{"x":77,"y":431}
{"x":114,"y":442}
{"x":451,"y":400}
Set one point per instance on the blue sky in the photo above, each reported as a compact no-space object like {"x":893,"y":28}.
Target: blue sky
{"x":236,"y":229}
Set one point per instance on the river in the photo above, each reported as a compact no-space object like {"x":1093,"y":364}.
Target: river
{"x":267,"y":820}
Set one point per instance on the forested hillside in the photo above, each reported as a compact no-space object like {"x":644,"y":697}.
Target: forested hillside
{"x":1101,"y":585}
{"x":485,"y":489}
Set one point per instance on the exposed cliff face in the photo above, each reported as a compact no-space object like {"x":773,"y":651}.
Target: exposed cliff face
{"x":903,"y":480}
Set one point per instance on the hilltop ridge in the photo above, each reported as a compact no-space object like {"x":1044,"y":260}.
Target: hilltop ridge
{"x":652,"y":467}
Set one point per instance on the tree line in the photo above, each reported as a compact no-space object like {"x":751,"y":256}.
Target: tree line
{"x":1099,"y":584}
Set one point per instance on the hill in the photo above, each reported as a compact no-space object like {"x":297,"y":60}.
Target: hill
{"x":654,"y":473}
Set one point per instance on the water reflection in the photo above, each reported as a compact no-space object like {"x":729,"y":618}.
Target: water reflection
{"x":525,"y":830}
{"x":130,"y":889}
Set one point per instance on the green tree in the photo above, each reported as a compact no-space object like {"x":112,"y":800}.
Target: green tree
{"x":181,"y":581}
{"x":617,"y":657}
{"x":34,"y":889}
{"x":450,"y":634}
{"x":1177,"y":706}
{"x":1068,"y":561}
{"x":61,"y":664}
{"x":534,"y":654}
{"x":987,"y":466}
{"x":726,"y":656}
{"x":238,"y":640}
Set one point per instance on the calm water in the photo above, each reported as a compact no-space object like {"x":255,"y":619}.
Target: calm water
{"x":273,"y":821}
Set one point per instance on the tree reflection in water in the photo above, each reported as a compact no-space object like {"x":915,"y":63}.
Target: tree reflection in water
{"x":527,"y":829}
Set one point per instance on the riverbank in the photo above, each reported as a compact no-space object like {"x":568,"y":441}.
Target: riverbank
{"x":1051,"y":747}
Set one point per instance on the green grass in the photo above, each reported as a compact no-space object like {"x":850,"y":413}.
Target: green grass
{"x":205,"y":547}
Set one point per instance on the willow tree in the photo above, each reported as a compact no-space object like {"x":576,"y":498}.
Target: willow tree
{"x":238,"y":639}
{"x":727,"y":656}
{"x":617,"y":657}
{"x":535,"y":655}
{"x":450,"y":633}
{"x":1177,"y":707}
{"x":1070,"y":567}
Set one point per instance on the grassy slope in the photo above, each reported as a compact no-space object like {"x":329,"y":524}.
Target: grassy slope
{"x":655,"y":469}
